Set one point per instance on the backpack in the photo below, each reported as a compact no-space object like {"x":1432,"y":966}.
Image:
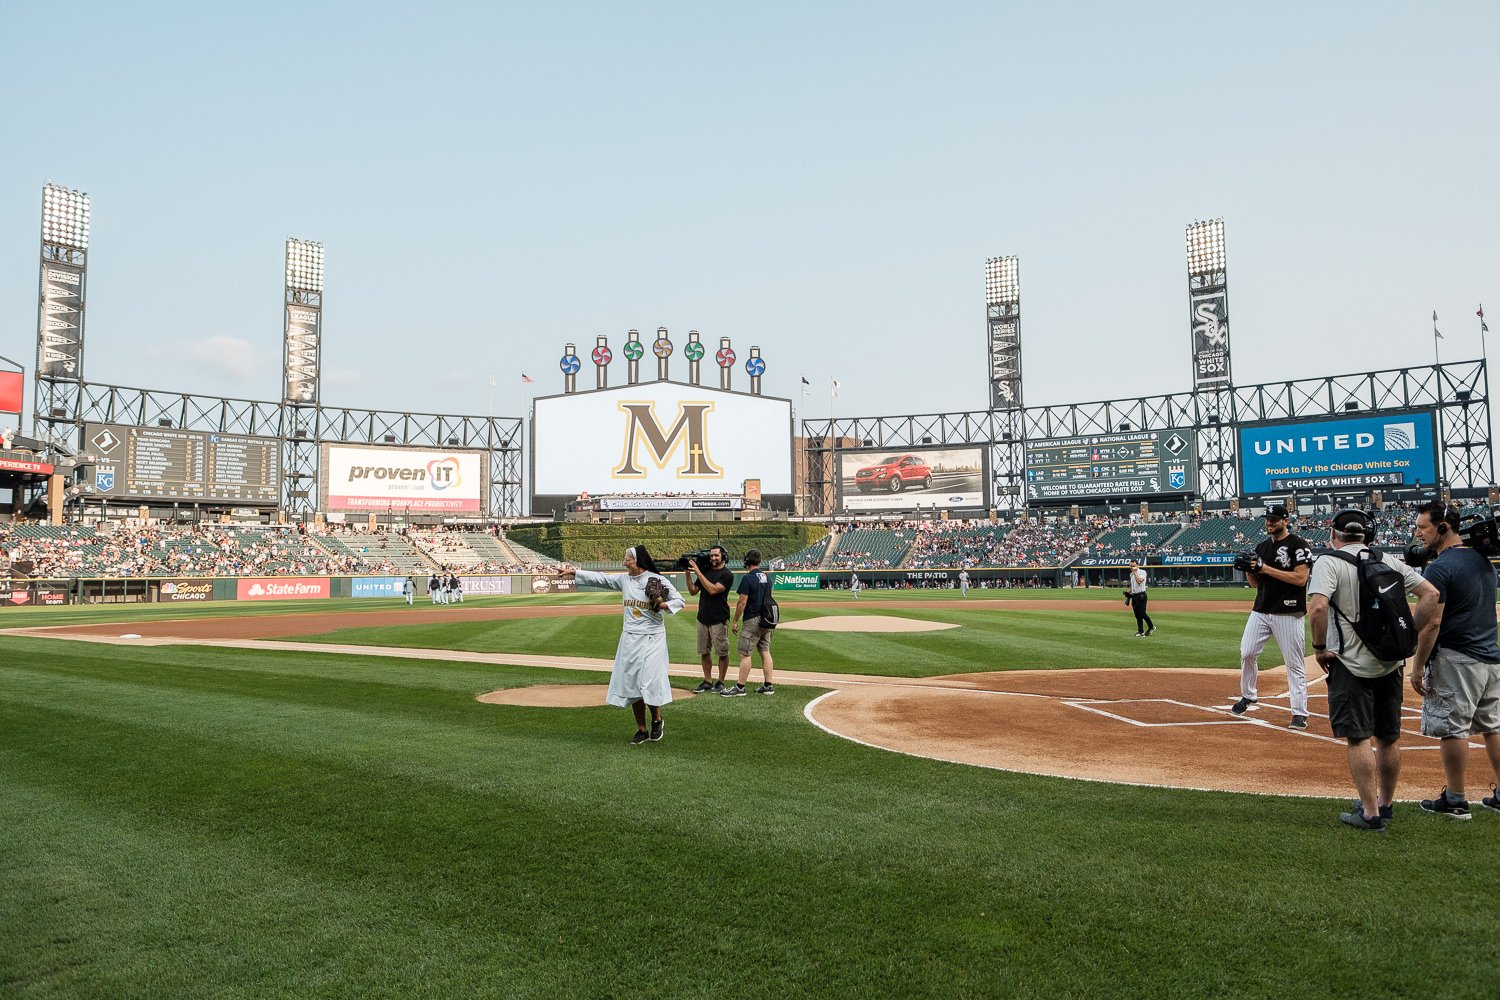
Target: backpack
{"x":1385,"y":624}
{"x":770,"y":611}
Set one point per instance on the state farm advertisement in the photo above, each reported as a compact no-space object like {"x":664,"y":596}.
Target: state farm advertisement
{"x":282,"y":588}
{"x":403,"y":479}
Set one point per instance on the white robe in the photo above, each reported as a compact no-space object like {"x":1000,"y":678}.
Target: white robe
{"x":640,"y":671}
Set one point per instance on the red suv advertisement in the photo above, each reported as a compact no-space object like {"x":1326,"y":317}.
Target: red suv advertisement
{"x":894,"y":474}
{"x":282,"y":588}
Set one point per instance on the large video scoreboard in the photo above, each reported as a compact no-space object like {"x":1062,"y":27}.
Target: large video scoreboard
{"x":164,"y":463}
{"x":1122,"y":464}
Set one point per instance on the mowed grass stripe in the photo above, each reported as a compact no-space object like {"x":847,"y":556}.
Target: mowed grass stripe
{"x":526,"y":852}
{"x":986,"y":640}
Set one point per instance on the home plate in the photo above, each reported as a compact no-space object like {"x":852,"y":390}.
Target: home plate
{"x":864,"y":623}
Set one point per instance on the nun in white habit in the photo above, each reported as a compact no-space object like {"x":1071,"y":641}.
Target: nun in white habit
{"x":639,"y":678}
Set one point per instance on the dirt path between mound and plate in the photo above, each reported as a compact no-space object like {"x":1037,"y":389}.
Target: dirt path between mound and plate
{"x":1161,"y":727}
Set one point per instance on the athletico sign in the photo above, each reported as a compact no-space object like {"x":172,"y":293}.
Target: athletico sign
{"x":282,"y":588}
{"x":365,"y":479}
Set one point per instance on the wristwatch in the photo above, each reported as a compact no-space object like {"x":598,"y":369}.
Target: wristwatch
{"x":1319,"y":649}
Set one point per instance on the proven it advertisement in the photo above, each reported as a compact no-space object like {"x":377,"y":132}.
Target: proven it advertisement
{"x":1355,"y":453}
{"x":403,"y":479}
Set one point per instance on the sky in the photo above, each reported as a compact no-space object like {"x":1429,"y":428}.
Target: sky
{"x":821,"y":180}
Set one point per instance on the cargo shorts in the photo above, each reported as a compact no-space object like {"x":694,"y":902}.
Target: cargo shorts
{"x":753,"y":637}
{"x":1463,"y":696}
{"x":713,"y":639}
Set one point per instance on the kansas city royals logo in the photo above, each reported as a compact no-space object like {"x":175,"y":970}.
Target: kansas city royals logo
{"x":688,"y":432}
{"x":1176,"y":477}
{"x":104,"y":479}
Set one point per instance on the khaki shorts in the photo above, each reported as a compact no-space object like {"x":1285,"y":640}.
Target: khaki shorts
{"x":753,"y":638}
{"x":713,"y":639}
{"x":1463,"y":696}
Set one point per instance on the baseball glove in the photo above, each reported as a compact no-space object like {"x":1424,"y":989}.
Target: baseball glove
{"x":656,"y":593}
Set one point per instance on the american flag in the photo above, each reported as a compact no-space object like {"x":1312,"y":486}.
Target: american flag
{"x":526,"y":378}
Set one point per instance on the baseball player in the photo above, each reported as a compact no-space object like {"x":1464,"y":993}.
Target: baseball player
{"x":432,"y":588}
{"x":963,"y":581}
{"x":1282,"y":564}
{"x":639,"y":678}
{"x":408,"y":590}
{"x":455,"y":588}
{"x":854,"y":585}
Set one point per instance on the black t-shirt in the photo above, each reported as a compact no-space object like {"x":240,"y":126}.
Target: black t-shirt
{"x":713,"y":609}
{"x":1465,"y":583}
{"x":754,"y":585}
{"x":1277,"y":597}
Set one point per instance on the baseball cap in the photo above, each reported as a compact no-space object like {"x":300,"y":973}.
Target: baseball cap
{"x":1351,"y":521}
{"x":1276,"y":510}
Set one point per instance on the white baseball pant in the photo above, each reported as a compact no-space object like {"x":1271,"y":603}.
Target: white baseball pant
{"x":1290,"y":636}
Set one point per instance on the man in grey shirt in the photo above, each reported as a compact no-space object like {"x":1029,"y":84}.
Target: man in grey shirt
{"x":1364,"y":691}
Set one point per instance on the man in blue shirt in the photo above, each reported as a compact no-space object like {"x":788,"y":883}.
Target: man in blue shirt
{"x":754,"y":587}
{"x":1460,"y":687}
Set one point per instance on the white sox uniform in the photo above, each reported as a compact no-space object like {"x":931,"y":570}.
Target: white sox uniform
{"x":1279,"y":612}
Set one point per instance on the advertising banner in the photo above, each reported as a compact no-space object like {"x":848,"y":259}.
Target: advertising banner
{"x":174,"y":591}
{"x":357,"y":478}
{"x":784,"y":580}
{"x":670,"y":503}
{"x":60,"y":321}
{"x":1209,"y":317}
{"x":485,"y":586}
{"x":303,"y":328}
{"x":12,"y":389}
{"x":1339,"y":453}
{"x":910,"y":478}
{"x":8,"y":464}
{"x":50,"y":595}
{"x":551,"y":585}
{"x":376,"y":586}
{"x":281,"y":588}
{"x":661,"y":437}
{"x":1200,"y":559}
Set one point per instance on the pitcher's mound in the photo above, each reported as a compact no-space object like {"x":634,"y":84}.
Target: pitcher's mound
{"x":865,"y":623}
{"x":558,"y":696}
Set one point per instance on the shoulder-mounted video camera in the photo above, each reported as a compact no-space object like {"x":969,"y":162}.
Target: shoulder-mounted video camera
{"x":1478,"y":531}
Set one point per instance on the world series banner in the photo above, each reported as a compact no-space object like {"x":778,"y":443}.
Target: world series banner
{"x":60,"y":321}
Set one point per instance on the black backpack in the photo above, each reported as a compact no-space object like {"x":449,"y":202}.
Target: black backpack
{"x":1385,"y":624}
{"x":770,"y":611}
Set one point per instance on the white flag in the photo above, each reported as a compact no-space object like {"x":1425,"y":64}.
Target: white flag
{"x":492,"y":380}
{"x":836,"y":384}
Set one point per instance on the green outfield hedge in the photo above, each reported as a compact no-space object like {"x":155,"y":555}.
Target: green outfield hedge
{"x":601,"y":542}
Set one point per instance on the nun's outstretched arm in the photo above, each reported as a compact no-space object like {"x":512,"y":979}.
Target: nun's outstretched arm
{"x":614,"y":581}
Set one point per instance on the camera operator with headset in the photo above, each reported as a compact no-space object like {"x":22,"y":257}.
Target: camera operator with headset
{"x":1460,"y":686}
{"x":1278,"y":570}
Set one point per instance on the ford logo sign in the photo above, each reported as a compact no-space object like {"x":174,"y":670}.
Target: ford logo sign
{"x":955,"y":499}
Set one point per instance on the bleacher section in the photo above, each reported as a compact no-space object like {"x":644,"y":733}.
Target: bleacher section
{"x":955,"y":543}
{"x":1216,"y":534}
{"x":1132,"y":541}
{"x":808,"y":557}
{"x":871,"y":548}
{"x":376,"y":553}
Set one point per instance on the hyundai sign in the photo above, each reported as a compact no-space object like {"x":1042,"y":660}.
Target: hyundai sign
{"x":1349,"y":453}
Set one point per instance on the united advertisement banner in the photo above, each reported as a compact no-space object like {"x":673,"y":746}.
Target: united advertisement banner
{"x":60,"y":321}
{"x":403,"y":479}
{"x":377,"y":586}
{"x":1351,"y":453}
{"x":282,"y":588}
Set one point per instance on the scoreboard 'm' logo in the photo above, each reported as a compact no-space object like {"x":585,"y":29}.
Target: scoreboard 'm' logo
{"x":688,"y":433}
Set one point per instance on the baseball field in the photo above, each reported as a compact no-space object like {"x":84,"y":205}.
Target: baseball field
{"x":310,"y":800}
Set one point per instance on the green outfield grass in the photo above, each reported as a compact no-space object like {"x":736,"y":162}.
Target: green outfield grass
{"x":190,"y":821}
{"x":986,"y":639}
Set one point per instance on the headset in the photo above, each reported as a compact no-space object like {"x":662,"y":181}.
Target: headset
{"x":1450,"y":521}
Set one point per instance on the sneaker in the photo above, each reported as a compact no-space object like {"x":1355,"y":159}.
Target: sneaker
{"x":1492,"y":801}
{"x":1358,"y":807}
{"x":1298,"y":722}
{"x":705,"y":686}
{"x":1242,"y":706}
{"x":735,"y":691}
{"x":1151,"y":630}
{"x":1443,"y":805}
{"x":766,"y":689}
{"x":639,"y":738}
{"x":718,"y":687}
{"x":1360,"y":821}
{"x":657,"y":728}
{"x":1140,"y":635}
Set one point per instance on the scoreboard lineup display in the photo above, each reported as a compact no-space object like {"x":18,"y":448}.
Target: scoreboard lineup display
{"x":1123,"y":464}
{"x":163,"y":463}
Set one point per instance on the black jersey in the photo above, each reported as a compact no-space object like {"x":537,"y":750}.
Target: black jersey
{"x":1277,"y":597}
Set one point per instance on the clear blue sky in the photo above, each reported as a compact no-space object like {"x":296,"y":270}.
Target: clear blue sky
{"x":823,"y":180}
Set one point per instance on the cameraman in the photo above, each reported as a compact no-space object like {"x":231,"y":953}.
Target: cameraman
{"x":1278,"y":572}
{"x":1364,"y":691}
{"x":712,"y":587}
{"x":1460,"y":686}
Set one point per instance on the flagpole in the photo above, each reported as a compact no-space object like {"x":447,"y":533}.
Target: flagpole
{"x":1436,"y":336}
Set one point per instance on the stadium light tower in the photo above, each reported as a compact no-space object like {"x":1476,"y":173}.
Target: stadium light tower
{"x":302,"y":355}
{"x":1208,"y":304}
{"x":63,"y":287}
{"x":1002,"y":308}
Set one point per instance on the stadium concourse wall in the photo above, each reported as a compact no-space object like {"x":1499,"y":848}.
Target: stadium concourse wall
{"x":575,"y":543}
{"x":201,"y":589}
